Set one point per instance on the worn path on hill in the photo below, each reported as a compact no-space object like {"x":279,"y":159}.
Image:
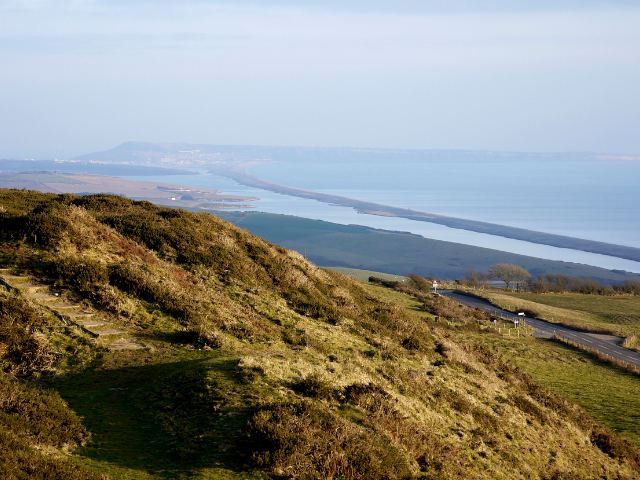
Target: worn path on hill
{"x":607,"y":344}
{"x":106,"y":333}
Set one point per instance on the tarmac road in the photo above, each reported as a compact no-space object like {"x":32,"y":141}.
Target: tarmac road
{"x":607,"y":344}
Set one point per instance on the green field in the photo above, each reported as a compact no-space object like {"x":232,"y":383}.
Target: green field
{"x":619,"y":314}
{"x":399,"y":253}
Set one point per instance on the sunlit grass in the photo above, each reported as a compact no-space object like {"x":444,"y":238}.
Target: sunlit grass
{"x":618,"y":314}
{"x":606,"y":393}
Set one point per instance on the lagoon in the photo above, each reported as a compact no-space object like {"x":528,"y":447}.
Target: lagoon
{"x":276,"y":203}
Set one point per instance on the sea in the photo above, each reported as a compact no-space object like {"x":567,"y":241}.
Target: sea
{"x":592,"y":198}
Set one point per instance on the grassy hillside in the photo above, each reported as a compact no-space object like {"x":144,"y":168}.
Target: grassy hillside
{"x":607,"y":393}
{"x":399,"y":253}
{"x":257,"y":364}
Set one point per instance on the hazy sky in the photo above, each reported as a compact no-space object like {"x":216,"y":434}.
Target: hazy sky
{"x":82,"y":75}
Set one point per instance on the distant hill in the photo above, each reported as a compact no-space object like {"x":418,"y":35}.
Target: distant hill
{"x":398,"y":253}
{"x":138,"y":341}
{"x":146,"y":151}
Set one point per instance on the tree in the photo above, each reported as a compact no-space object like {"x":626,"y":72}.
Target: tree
{"x":510,"y":274}
{"x":472,"y":279}
{"x":483,"y":279}
{"x":538,"y":285}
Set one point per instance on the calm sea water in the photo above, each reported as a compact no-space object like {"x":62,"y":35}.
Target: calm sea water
{"x":276,"y":203}
{"x":587,"y":198}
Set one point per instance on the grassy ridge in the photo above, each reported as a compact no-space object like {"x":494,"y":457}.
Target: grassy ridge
{"x":261,"y":364}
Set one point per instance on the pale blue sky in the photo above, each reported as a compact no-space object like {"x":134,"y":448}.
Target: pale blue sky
{"x":82,"y":75}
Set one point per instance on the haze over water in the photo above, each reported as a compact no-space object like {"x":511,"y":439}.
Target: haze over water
{"x":585,"y":198}
{"x":562,"y":75}
{"x":283,"y":204}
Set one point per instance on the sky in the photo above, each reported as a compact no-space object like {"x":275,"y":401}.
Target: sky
{"x":85,"y":75}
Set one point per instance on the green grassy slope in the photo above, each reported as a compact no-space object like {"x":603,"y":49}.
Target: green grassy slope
{"x":258,"y":364}
{"x":395,"y":252}
{"x":607,"y":393}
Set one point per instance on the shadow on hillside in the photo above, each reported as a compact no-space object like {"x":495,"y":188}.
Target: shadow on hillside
{"x":168,"y":419}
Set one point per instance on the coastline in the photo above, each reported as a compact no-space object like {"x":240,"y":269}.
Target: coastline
{"x":371,"y":208}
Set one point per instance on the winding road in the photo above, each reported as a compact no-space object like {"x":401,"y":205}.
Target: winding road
{"x":607,"y":344}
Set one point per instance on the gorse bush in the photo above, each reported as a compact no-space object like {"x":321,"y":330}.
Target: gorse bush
{"x":615,"y":446}
{"x":47,"y":228}
{"x":169,"y":232}
{"x":314,"y":386}
{"x":44,"y":227}
{"x":134,"y":280}
{"x":18,"y":461}
{"x":369,"y":396}
{"x":411,"y":343}
{"x":420,"y":283}
{"x":21,"y":352}
{"x":450,"y":309}
{"x":308,"y":441}
{"x":383,"y":282}
{"x":314,"y":306}
{"x":34,"y":416}
{"x":82,"y":274}
{"x":39,"y":415}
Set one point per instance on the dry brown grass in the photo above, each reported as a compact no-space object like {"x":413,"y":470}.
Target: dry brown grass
{"x":343,"y":384}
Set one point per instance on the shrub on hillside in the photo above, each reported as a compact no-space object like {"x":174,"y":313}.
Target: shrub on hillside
{"x":82,"y":274}
{"x":12,"y":227}
{"x":200,"y":337}
{"x":307,"y":441}
{"x":369,"y":396}
{"x":411,"y":343}
{"x":314,"y":306}
{"x":47,"y":228}
{"x":38,"y":415}
{"x":450,"y":309}
{"x":419,"y":282}
{"x":314,"y":386}
{"x":383,"y":282}
{"x":134,"y":280}
{"x":21,"y":352}
{"x":19,"y":461}
{"x":102,"y":203}
{"x":614,"y":446}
